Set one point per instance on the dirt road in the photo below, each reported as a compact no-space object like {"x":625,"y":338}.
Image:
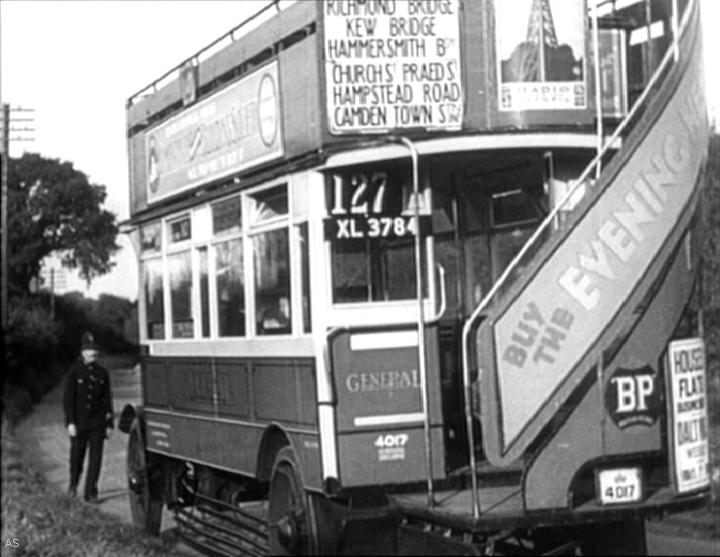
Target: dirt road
{"x":45,"y":441}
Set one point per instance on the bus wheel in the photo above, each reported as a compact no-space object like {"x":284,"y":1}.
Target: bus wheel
{"x":291,"y":517}
{"x":146,"y":511}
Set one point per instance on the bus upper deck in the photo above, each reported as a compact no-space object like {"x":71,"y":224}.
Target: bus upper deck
{"x":427,"y":246}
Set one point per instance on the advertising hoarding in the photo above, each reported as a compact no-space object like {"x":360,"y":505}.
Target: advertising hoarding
{"x":541,"y":54}
{"x":687,"y":405}
{"x":234,"y":129}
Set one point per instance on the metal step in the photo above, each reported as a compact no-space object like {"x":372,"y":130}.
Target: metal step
{"x":223,"y":530}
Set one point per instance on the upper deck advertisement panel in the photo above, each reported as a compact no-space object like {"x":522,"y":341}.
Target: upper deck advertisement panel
{"x":233,"y":129}
{"x":392,"y":64}
{"x":541,"y":54}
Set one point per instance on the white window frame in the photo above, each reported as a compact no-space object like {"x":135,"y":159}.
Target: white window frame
{"x":370,"y":313}
{"x":296,"y":343}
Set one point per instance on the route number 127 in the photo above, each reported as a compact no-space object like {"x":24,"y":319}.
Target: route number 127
{"x":359,"y":193}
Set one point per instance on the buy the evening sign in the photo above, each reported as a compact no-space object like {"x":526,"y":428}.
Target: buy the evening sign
{"x":688,"y":408}
{"x":393,"y":64}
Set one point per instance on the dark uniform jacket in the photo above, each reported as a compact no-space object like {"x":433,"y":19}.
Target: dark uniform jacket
{"x":88,"y":401}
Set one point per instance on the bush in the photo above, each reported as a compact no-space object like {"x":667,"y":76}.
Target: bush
{"x":106,"y":318}
{"x":31,"y":342}
{"x":71,"y":313}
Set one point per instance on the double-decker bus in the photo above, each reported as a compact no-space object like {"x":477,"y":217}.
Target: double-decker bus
{"x":414,"y":279}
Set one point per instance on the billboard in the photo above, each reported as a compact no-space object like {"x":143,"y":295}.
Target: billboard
{"x":391,"y":65}
{"x":688,"y":422}
{"x":541,"y":54}
{"x":233,"y":129}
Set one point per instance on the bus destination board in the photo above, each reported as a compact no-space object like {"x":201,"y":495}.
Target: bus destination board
{"x":392,"y":64}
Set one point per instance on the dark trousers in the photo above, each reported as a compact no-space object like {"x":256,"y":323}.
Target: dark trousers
{"x":95,"y":438}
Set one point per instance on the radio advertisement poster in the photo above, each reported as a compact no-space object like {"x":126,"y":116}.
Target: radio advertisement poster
{"x":392,"y":64}
{"x":541,"y":54}
{"x":688,"y":412}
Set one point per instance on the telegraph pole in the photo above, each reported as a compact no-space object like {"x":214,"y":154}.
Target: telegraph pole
{"x":4,"y":254}
{"x":7,"y":122}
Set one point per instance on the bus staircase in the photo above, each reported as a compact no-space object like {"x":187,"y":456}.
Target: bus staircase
{"x":485,"y":516}
{"x":221,"y":529}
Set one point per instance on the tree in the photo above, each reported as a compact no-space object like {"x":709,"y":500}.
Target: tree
{"x":52,"y":207}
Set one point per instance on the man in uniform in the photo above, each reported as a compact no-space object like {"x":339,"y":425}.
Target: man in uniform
{"x":88,"y":416}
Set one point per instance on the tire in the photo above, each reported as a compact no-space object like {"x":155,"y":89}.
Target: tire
{"x":299,"y":522}
{"x":146,"y":511}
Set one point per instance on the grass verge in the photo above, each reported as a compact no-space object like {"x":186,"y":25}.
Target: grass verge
{"x":39,"y":520}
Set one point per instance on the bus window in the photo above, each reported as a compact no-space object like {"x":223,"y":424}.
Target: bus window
{"x":179,"y":268}
{"x":272,"y":282}
{"x":373,"y":270}
{"x":204,"y":292}
{"x":150,"y":238}
{"x":513,"y":215}
{"x":305,"y":270}
{"x":229,"y":267}
{"x":152,"y":278}
{"x":153,"y":290}
{"x":268,"y":205}
{"x":230,"y":288}
{"x":516,"y":207}
{"x":180,"y":279}
{"x":370,"y":226}
{"x":227,"y":216}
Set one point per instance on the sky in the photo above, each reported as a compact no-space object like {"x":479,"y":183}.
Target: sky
{"x":76,"y":63}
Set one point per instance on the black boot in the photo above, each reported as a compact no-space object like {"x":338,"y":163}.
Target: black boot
{"x":91,"y":495}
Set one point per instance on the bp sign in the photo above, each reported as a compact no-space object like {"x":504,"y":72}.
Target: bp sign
{"x":632,"y":397}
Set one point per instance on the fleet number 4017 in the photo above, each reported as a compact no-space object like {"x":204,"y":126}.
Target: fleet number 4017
{"x":391,"y":440}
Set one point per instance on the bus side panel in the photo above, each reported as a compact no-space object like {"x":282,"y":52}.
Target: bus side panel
{"x":234,"y":388}
{"x":191,"y":385}
{"x":216,"y":410}
{"x":387,"y":456}
{"x":379,"y":414}
{"x":156,"y":383}
{"x":478,"y":73}
{"x":284,"y":391}
{"x":136,"y":159}
{"x":578,"y":441}
{"x":628,"y":429}
{"x":232,"y":446}
{"x":300,"y":96}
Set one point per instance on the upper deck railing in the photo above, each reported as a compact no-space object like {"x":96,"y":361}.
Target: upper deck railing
{"x":263,"y":14}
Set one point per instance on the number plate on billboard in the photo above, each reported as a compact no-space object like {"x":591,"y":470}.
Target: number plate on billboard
{"x":620,"y":485}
